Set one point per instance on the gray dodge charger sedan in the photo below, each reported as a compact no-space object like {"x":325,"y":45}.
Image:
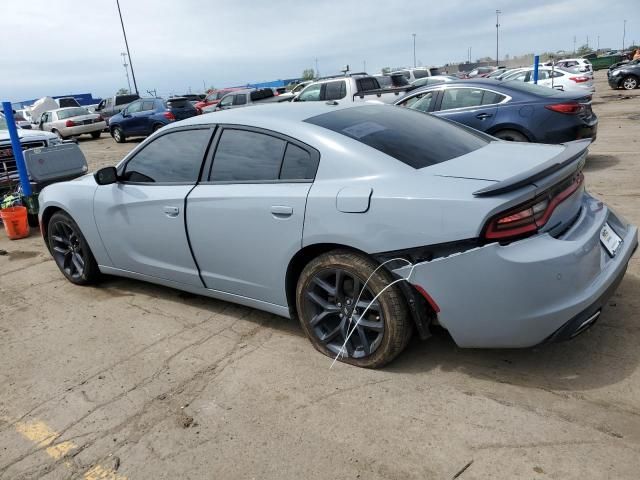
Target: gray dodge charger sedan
{"x":366,"y":223}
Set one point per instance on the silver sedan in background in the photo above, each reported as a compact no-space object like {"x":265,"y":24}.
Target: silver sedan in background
{"x":72,"y":122}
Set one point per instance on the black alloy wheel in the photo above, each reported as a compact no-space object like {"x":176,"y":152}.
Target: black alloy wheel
{"x":331,"y":297}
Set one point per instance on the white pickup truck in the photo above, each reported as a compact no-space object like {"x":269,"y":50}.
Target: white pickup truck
{"x":350,"y":88}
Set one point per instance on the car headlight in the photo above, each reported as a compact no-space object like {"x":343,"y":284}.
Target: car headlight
{"x":615,"y":73}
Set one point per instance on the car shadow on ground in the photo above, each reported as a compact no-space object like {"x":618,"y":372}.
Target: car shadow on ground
{"x":597,"y":162}
{"x":603,"y":355}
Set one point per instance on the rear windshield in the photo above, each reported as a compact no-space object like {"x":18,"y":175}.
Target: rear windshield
{"x":72,"y":112}
{"x":530,"y":88}
{"x":67,"y":102}
{"x":124,"y":99}
{"x":179,"y":103}
{"x":414,"y":138}
{"x":261,"y":94}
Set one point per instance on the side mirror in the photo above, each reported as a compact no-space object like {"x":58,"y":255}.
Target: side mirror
{"x":106,"y":176}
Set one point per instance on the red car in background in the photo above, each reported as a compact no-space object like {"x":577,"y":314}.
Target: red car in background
{"x":213,"y":98}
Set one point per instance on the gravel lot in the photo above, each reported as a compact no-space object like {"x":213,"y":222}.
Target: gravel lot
{"x":134,"y":381}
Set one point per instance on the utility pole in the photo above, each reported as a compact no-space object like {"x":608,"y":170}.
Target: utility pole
{"x":598,"y":43}
{"x":624,"y":33}
{"x":414,"y":50}
{"x":126,"y":70}
{"x":498,"y":12}
{"x":587,"y":41}
{"x":364,"y":65}
{"x":126,"y":44}
{"x":574,"y":44}
{"x":317,"y":71}
{"x":469,"y":54}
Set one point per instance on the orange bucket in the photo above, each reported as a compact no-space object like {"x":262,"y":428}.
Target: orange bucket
{"x":15,"y":222}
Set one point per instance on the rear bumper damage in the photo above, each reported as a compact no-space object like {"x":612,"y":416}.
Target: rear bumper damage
{"x":534,"y":290}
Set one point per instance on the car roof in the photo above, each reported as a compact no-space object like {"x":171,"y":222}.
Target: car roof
{"x":284,"y":112}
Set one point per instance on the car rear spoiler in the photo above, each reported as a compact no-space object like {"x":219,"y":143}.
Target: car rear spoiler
{"x":575,"y":151}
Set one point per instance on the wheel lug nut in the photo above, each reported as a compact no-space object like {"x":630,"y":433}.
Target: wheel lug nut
{"x":348,"y":301}
{"x":340,"y":315}
{"x":339,"y":304}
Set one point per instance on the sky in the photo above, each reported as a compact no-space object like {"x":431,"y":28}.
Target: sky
{"x":59,"y":47}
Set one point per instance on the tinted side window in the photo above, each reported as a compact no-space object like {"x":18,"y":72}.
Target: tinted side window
{"x":367,"y":83}
{"x":490,"y":98}
{"x":420,"y":73}
{"x":240,"y":99}
{"x":461,"y":98}
{"x":298,"y":164}
{"x":335,"y":90}
{"x":421,"y":102}
{"x":174,"y":157}
{"x":148,"y":105}
{"x":246,"y":156}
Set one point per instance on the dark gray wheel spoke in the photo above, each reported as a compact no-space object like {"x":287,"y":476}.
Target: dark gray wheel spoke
{"x":59,"y":239}
{"x":315,"y":298}
{"x":62,"y":250}
{"x":339,"y":283}
{"x":318,"y":318}
{"x":78,"y":262}
{"x":369,"y":325}
{"x":373,"y":306}
{"x":363,"y":339}
{"x":332,"y":334}
{"x":331,"y":290}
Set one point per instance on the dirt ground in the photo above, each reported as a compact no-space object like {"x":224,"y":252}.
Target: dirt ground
{"x":133,"y":381}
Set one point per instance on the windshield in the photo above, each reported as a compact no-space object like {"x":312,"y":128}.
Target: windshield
{"x":414,"y":138}
{"x":72,"y":112}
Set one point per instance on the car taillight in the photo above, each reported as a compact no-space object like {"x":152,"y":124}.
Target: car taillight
{"x":579,"y":79}
{"x":169,"y":116}
{"x":70,"y":123}
{"x":572,"y":108}
{"x":529,"y":217}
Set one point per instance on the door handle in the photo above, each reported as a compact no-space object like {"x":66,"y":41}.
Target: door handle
{"x":482,"y":116}
{"x":171,"y":211}
{"x":281,"y":211}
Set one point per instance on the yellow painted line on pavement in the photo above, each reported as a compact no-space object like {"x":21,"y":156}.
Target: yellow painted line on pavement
{"x":42,"y":435}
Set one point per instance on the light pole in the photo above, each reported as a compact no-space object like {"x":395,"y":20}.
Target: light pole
{"x":135,"y":85}
{"x":574,"y":44}
{"x":126,"y":70}
{"x":624,"y":33}
{"x":414,"y":50}
{"x":498,"y":12}
{"x":598,"y":44}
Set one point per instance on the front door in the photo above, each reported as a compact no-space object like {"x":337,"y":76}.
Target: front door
{"x":245,"y":223}
{"x":141,"y":219}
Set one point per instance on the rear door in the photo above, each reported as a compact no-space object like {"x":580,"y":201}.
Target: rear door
{"x":141,"y":219}
{"x":245,"y":222}
{"x":474,"y":107}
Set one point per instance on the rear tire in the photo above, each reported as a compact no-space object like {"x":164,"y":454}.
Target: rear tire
{"x":96,"y":135}
{"x":326,"y":295}
{"x":629,"y":82}
{"x":71,"y":251}
{"x":58,"y":134}
{"x":118,"y":135}
{"x":510,"y":136}
{"x":157,"y":127}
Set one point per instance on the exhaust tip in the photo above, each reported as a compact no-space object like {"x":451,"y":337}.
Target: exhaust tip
{"x":586,"y":324}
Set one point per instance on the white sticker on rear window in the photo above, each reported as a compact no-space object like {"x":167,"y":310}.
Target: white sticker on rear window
{"x":363,"y":129}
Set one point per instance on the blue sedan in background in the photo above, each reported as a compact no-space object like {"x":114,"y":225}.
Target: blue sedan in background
{"x":146,"y":115}
{"x":509,"y":110}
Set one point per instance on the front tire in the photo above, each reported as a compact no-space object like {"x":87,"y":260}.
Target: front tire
{"x":96,"y":135}
{"x":510,"y":136}
{"x":118,"y":135}
{"x":59,"y":134}
{"x":71,"y":251}
{"x":326,"y":296}
{"x":629,"y":82}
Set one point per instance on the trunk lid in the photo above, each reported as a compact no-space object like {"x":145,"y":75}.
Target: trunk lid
{"x":181,"y":108}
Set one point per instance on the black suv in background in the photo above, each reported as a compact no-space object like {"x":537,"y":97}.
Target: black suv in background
{"x":626,"y":76}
